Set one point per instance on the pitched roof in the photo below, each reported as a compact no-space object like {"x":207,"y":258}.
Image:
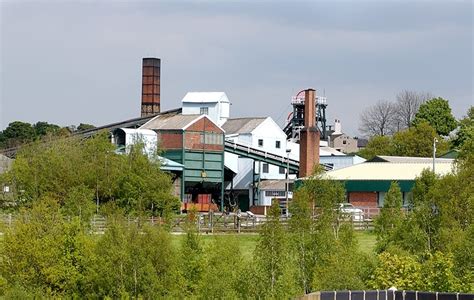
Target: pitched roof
{"x":131,"y":123}
{"x":408,"y":159}
{"x":387,"y":171}
{"x":242,"y":125}
{"x":170,"y":122}
{"x":275,"y":184}
{"x":205,"y":97}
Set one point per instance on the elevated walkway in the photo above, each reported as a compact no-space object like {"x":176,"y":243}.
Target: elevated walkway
{"x":267,"y":157}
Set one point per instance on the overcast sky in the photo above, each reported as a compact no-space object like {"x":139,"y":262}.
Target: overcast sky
{"x":71,"y":62}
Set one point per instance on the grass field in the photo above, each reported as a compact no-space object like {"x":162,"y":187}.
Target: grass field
{"x":247,"y":242}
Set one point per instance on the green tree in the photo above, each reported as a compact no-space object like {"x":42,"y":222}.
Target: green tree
{"x":274,"y":265}
{"x":466,"y":129}
{"x":377,"y":145}
{"x":44,"y":128}
{"x":42,"y":253}
{"x":402,"y":272}
{"x":418,"y":141}
{"x":84,"y":126}
{"x":18,"y":133}
{"x":390,"y":218}
{"x":134,"y":261}
{"x":223,"y":267}
{"x":437,"y":113}
{"x":192,"y":257}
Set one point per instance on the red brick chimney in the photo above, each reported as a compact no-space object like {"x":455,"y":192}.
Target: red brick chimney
{"x":309,"y":139}
{"x":151,"y":68}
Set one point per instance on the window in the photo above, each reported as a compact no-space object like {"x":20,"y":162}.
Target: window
{"x":277,"y":144}
{"x":344,"y":142}
{"x":204,"y":110}
{"x":260,"y":142}
{"x":275,"y":193}
{"x":282,"y":170}
{"x":380,"y":199}
{"x":265,"y":168}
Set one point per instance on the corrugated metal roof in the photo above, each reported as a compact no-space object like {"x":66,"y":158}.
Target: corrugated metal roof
{"x":205,"y":97}
{"x":387,"y":171}
{"x":170,"y":122}
{"x":134,"y":123}
{"x":328,"y":151}
{"x":242,"y":125}
{"x":277,"y":185}
{"x":408,"y":159}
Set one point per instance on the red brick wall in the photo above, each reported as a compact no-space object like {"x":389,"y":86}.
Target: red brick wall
{"x":366,"y":199}
{"x":170,"y":140}
{"x":204,"y":124}
{"x":259,"y":210}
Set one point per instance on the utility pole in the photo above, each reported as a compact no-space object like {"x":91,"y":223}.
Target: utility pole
{"x":287,"y":181}
{"x":435,"y":140}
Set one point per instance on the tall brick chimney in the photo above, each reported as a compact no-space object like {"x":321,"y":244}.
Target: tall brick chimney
{"x":309,"y":139}
{"x":151,"y":68}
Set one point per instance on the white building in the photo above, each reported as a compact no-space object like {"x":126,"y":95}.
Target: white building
{"x":216,"y":105}
{"x":259,"y":133}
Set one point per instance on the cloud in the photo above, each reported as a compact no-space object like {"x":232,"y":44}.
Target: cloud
{"x":80,"y":61}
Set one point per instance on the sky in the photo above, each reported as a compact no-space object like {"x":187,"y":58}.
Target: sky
{"x":71,"y":62}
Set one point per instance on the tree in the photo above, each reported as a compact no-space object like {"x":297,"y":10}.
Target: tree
{"x":390,"y":218}
{"x":84,"y":126}
{"x":275,"y":269}
{"x":43,"y":128}
{"x":377,"y":145}
{"x":18,"y":133}
{"x":223,"y":267}
{"x":418,"y":141}
{"x":42,"y":253}
{"x":393,"y":270}
{"x":437,"y":113}
{"x":466,"y":129}
{"x":407,"y":105}
{"x":379,"y":119}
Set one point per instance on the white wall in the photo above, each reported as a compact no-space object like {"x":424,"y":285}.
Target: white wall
{"x":218,"y":112}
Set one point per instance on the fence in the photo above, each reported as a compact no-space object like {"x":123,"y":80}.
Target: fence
{"x":386,"y":295}
{"x":211,"y":222}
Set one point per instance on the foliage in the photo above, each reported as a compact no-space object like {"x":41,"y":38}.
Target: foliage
{"x":390,"y":218}
{"x":133,"y":261}
{"x":324,"y":246}
{"x":402,"y":272}
{"x":44,"y":128}
{"x":44,"y":254}
{"x":17,"y":133}
{"x":80,"y":174}
{"x":415,"y":141}
{"x":418,"y":141}
{"x":274,"y":267}
{"x":84,"y":126}
{"x":465,"y":133}
{"x":377,"y":145}
{"x":224,"y":268}
{"x":437,"y":113}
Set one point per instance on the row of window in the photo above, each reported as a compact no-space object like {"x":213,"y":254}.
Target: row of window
{"x":265,"y":169}
{"x":277,"y":143}
{"x":212,"y":139}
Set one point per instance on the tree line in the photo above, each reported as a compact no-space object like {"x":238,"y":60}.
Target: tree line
{"x":409,"y":126}
{"x":18,"y":133}
{"x":50,"y":251}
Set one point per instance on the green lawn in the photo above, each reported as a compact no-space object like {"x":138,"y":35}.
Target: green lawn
{"x":247,"y":242}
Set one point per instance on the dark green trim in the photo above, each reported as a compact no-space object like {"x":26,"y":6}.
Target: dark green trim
{"x":367,"y":185}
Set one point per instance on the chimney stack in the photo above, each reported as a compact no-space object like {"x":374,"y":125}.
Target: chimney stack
{"x":309,"y":141}
{"x":151,"y":68}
